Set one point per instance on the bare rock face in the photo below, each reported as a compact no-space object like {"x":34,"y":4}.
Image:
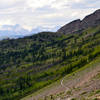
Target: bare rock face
{"x":91,"y":20}
{"x":78,"y":25}
{"x":71,"y":27}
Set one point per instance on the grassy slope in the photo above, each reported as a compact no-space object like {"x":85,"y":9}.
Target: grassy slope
{"x":53,"y":87}
{"x":30,"y":66}
{"x":50,"y":90}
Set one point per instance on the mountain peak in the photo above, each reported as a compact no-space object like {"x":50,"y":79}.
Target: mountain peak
{"x":78,"y":25}
{"x":97,"y":11}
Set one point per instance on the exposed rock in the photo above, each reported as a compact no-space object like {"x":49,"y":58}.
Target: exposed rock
{"x":78,"y":25}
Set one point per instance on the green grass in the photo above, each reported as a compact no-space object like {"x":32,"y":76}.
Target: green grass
{"x":36,"y":61}
{"x":92,"y":65}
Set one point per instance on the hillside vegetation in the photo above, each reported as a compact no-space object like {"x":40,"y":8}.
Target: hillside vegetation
{"x":31,"y":63}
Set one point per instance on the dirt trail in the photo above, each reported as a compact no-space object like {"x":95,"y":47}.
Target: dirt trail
{"x":81,"y":81}
{"x":85,"y":84}
{"x":66,"y":87}
{"x":75,"y":81}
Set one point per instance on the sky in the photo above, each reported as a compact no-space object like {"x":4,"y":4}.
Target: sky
{"x":30,"y":14}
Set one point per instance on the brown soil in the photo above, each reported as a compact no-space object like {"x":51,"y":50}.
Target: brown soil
{"x":81,"y":86}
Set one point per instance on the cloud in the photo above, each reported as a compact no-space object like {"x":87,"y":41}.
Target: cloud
{"x":45,"y":13}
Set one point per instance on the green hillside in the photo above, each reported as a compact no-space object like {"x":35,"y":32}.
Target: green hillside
{"x":82,"y":84}
{"x":33,"y":62}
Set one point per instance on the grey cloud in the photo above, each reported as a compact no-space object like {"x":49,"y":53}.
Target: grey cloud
{"x":21,"y":13}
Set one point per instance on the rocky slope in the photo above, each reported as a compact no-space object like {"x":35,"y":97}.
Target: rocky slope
{"x":79,"y":25}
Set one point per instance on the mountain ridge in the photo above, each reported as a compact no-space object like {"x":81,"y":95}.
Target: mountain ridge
{"x":79,"y":25}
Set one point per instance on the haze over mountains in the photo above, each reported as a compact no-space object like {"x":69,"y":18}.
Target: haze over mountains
{"x":16,"y":31}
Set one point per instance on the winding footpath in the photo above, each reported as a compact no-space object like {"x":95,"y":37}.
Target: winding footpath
{"x":64,"y":85}
{"x":66,"y":88}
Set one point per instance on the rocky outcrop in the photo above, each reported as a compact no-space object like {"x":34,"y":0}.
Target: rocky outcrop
{"x":78,"y":25}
